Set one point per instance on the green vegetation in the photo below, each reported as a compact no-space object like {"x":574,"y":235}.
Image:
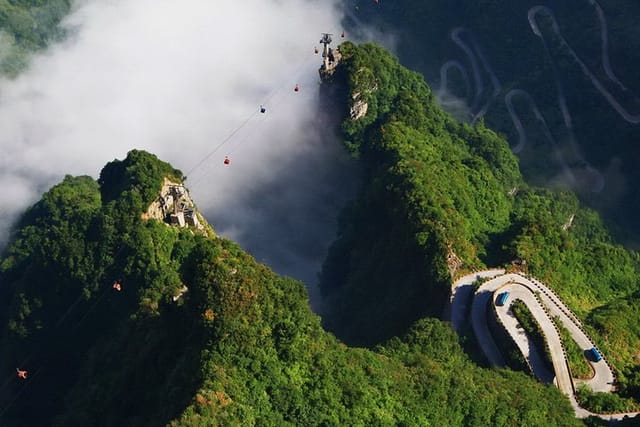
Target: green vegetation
{"x":431,"y":185}
{"x":604,"y":402}
{"x":514,"y":359}
{"x":437,"y":191}
{"x":140,"y":173}
{"x":501,"y":32}
{"x":617,"y":326}
{"x":240,"y":347}
{"x":27,"y":26}
{"x":70,"y":247}
{"x":594,"y":276}
{"x":531,"y":326}
{"x":580,"y":367}
{"x":581,"y":262}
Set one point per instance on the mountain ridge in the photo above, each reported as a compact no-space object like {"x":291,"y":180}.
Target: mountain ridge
{"x":241,"y":346}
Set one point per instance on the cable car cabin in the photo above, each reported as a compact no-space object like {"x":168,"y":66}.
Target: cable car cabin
{"x":315,"y":50}
{"x":502,"y":298}
{"x":262,"y":109}
{"x":296,"y":89}
{"x":595,"y":354}
{"x":21,"y":374}
{"x":226,"y":160}
{"x":342,"y":35}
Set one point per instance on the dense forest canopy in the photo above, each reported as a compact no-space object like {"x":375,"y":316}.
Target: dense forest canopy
{"x":241,"y":345}
{"x":488,"y":58}
{"x":25,"y":27}
{"x":441,"y":197}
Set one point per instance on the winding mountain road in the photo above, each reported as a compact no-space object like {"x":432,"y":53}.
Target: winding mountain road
{"x":532,"y":15}
{"x":532,"y":354}
{"x":544,"y":305}
{"x":480,"y":97}
{"x":461,"y":293}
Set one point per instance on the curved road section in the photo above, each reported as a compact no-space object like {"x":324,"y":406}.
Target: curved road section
{"x":478,"y":293}
{"x":461,"y":293}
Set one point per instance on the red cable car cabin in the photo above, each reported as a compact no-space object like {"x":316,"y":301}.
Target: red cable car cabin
{"x":226,"y":160}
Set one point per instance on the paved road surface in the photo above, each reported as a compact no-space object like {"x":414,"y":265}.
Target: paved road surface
{"x":531,"y":353}
{"x":544,"y":305}
{"x":481,"y":299}
{"x":462,"y":293}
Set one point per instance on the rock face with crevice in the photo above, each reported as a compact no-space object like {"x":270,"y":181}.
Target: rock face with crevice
{"x":453,"y":261}
{"x":175,"y":206}
{"x":569,"y":222}
{"x":358,"y":107}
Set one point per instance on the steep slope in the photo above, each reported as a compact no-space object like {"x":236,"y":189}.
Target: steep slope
{"x":440,"y":197}
{"x":239,"y":347}
{"x":485,"y":58}
{"x":435,"y":193}
{"x":27,"y":26}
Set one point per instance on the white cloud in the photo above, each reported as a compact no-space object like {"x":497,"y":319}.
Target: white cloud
{"x":176,"y":78}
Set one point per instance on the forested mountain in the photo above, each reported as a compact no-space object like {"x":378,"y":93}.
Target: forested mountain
{"x":26,"y":26}
{"x":441,"y":197}
{"x":121,"y":319}
{"x":239,"y":347}
{"x":564,"y":72}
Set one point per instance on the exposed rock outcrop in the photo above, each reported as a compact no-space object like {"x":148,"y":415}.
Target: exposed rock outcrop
{"x":359,"y":107}
{"x":175,"y":206}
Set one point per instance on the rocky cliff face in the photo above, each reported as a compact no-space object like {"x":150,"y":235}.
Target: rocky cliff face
{"x":331,"y":59}
{"x":358,"y":107}
{"x":175,"y":206}
{"x":364,"y":85}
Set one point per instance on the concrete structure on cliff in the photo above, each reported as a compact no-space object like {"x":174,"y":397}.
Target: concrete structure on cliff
{"x":330,"y":57}
{"x":174,"y":206}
